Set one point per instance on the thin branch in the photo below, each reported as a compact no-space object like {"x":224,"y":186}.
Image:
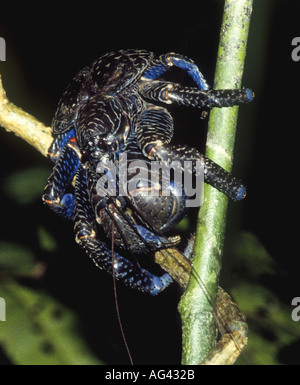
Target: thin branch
{"x":198,"y":324}
{"x":24,"y":125}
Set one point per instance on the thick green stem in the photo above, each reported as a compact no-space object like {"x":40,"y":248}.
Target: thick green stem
{"x":199,"y":330}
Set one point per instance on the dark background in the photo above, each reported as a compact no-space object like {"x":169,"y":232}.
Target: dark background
{"x":47,"y":46}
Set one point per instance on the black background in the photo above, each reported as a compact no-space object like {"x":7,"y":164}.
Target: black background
{"x":47,"y":44}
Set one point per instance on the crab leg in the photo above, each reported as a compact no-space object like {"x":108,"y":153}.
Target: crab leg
{"x":154,"y":131}
{"x":86,"y":236}
{"x":169,"y":93}
{"x":164,"y":62}
{"x":60,"y":179}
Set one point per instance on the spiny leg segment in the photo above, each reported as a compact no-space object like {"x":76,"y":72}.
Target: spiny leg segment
{"x":86,"y":235}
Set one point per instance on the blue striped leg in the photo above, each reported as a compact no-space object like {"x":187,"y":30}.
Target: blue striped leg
{"x":126,"y":272}
{"x":60,"y":179}
{"x":59,"y":143}
{"x":164,"y":62}
{"x":154,"y":131}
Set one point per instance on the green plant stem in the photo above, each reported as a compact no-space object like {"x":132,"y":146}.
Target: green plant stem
{"x":197,"y":314}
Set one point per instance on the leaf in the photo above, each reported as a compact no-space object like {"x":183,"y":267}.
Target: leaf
{"x":40,"y":331}
{"x":252,"y":256}
{"x":271,"y":327}
{"x":27,"y":185}
{"x":15,"y":258}
{"x":46,"y":240}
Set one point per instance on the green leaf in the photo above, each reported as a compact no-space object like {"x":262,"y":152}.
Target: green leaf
{"x":46,"y":240}
{"x":267,"y":316}
{"x":40,"y":331}
{"x":271,"y":328}
{"x":15,"y":258}
{"x":252,"y":256}
{"x":27,"y":185}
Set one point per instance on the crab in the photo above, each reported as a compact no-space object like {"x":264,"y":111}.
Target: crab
{"x":115,"y":108}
